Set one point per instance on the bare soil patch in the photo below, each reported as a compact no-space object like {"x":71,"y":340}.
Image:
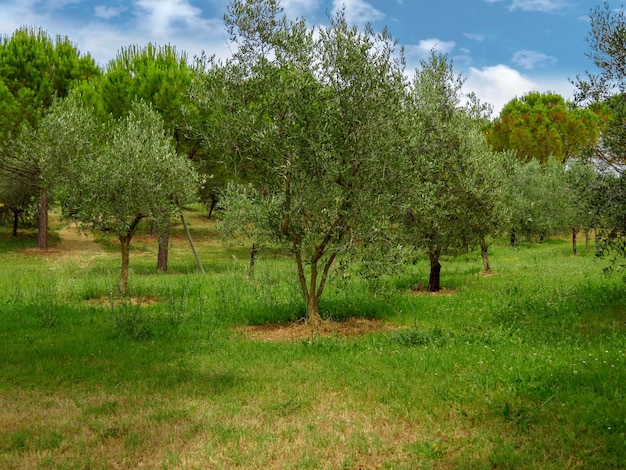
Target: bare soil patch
{"x":295,"y":331}
{"x":106,"y":301}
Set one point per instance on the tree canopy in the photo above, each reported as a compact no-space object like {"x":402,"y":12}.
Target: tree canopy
{"x":540,"y":125}
{"x":34,"y":71}
{"x":606,"y":85}
{"x":320,"y":121}
{"x":110,"y":176}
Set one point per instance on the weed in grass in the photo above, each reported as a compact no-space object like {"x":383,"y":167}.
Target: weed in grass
{"x":432,"y":449}
{"x":416,"y":337}
{"x":130,"y":320}
{"x":50,"y":441}
{"x":16,"y":441}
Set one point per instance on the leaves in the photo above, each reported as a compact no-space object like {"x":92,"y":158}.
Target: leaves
{"x":542,"y":125}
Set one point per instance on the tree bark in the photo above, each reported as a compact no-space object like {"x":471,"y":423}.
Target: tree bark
{"x":253,"y":252}
{"x":42,"y":234}
{"x":212,"y":205}
{"x":125,"y":241}
{"x":574,"y":242}
{"x":484,"y":255}
{"x":313,"y":317}
{"x":513,"y":237}
{"x":164,"y":247}
{"x":308,"y":291}
{"x":434,"y":282}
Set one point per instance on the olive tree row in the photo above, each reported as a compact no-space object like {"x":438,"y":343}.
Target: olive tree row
{"x":336,"y":149}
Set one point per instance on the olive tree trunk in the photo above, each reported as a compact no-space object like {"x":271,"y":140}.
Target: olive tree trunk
{"x":164,"y":248}
{"x":313,"y":289}
{"x":125,"y":242}
{"x":16,"y":219}
{"x":253,"y":254}
{"x":484,"y":255}
{"x":434,"y":282}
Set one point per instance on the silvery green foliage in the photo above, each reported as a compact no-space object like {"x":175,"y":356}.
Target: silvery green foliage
{"x":108,"y":174}
{"x":455,"y":191}
{"x":310,"y":120}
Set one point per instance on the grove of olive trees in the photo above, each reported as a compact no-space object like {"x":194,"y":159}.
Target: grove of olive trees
{"x":315,"y":140}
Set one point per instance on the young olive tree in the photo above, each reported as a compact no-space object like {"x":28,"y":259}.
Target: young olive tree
{"x":541,"y":199}
{"x":158,"y":75}
{"x":454,"y":192}
{"x":318,"y":132}
{"x":109,"y":177}
{"x":582,"y":213}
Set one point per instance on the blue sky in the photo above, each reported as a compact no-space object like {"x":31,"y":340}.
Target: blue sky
{"x":503,"y":48}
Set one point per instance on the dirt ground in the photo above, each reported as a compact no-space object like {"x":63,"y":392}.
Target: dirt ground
{"x":295,"y":331}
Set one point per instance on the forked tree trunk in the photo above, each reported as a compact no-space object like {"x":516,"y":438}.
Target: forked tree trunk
{"x":212,"y":205}
{"x":42,"y":234}
{"x":484,"y":255}
{"x":574,"y":242}
{"x":313,"y":290}
{"x":313,"y":317}
{"x":434,"y":282}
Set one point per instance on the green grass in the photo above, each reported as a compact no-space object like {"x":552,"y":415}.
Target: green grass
{"x":522,"y":369}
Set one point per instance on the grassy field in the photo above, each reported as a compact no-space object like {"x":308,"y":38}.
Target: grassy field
{"x":522,"y":369}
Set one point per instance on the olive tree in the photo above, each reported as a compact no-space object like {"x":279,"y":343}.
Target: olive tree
{"x":160,"y":76}
{"x":454,"y":190}
{"x":319,"y":130}
{"x":110,"y":176}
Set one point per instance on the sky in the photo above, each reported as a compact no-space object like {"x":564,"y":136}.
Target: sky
{"x":503,"y":48}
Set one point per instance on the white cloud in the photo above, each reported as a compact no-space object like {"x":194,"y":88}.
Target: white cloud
{"x":497,"y":85}
{"x":14,"y":14}
{"x":423,"y":49}
{"x":163,"y":17}
{"x":475,"y":36}
{"x":298,"y":8}
{"x":106,"y":13}
{"x":358,"y":11}
{"x":546,"y":6}
{"x":532,"y":59}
